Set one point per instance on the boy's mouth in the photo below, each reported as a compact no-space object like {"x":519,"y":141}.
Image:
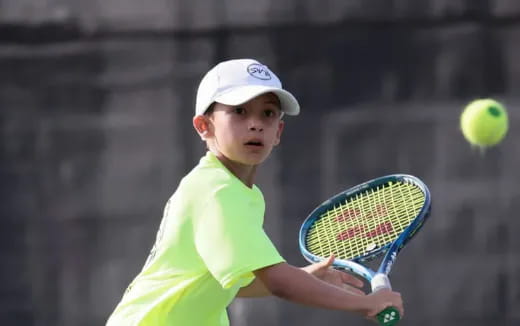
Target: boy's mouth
{"x":254,"y":142}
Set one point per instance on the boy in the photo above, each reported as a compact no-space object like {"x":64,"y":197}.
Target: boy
{"x":211,"y":246}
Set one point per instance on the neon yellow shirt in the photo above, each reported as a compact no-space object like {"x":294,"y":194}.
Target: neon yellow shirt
{"x":210,"y":241}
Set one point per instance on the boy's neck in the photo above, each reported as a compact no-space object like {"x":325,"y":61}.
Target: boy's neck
{"x":245,"y":173}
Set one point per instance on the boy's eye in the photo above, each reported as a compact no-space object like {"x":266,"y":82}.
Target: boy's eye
{"x":270,"y":113}
{"x":239,"y":110}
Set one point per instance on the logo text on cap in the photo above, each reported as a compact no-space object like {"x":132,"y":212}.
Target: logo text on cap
{"x":259,"y":71}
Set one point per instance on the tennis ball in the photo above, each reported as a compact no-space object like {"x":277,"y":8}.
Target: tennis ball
{"x":484,"y":122}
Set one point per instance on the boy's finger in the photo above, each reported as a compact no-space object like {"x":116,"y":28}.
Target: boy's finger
{"x":327,"y":262}
{"x":353,"y":289}
{"x":352,"y":280}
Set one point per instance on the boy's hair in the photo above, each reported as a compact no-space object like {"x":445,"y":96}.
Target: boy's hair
{"x":235,"y":82}
{"x":210,"y":109}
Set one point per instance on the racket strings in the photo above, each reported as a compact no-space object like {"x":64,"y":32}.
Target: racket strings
{"x":366,"y":221}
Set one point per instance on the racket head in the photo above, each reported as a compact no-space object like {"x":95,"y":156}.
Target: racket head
{"x":363,"y":222}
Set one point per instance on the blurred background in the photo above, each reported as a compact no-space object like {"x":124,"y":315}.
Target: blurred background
{"x":96,"y":101}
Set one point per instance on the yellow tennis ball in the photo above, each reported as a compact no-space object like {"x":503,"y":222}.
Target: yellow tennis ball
{"x":484,"y":122}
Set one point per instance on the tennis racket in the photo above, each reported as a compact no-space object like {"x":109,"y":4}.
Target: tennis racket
{"x":364,"y":222}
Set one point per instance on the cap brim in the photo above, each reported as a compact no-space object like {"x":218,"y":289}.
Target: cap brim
{"x":242,"y":94}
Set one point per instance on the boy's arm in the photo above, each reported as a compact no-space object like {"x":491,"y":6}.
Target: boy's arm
{"x":293,"y":284}
{"x":255,"y":289}
{"x":321,"y":270}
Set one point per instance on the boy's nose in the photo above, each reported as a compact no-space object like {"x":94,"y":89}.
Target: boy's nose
{"x":254,"y":127}
{"x":255,"y":124}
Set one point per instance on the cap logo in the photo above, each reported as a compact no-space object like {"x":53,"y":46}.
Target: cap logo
{"x":259,"y":71}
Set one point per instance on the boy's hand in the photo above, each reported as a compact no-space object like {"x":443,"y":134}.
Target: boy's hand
{"x":325,"y":272}
{"x":382,"y":299}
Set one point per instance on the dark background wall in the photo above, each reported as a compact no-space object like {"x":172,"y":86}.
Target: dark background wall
{"x":96,"y":100}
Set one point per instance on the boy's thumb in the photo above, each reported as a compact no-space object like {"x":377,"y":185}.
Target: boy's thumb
{"x":328,"y":262}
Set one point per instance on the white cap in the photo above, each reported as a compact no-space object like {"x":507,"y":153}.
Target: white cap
{"x":235,"y":82}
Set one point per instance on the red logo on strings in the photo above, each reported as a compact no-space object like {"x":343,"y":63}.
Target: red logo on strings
{"x":379,"y":211}
{"x":351,"y":233}
{"x":348,"y":214}
{"x":360,"y":230}
{"x":383,"y":228}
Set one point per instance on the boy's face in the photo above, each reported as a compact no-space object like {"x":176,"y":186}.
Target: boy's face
{"x":246,"y":133}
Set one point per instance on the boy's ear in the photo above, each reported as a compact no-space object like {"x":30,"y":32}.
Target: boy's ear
{"x":281,"y":124}
{"x":201,"y":125}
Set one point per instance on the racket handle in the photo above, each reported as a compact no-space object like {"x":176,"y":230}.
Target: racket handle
{"x":380,"y":281}
{"x":390,"y":316}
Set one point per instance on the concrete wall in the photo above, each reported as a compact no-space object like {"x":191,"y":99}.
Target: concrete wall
{"x":96,"y":100}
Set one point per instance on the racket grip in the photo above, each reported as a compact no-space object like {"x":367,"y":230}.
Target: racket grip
{"x":380,"y":281}
{"x":390,"y":316}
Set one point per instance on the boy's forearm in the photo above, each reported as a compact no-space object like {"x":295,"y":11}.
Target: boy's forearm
{"x":294,"y":284}
{"x":258,"y":289}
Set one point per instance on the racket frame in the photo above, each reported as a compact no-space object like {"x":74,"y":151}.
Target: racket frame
{"x":390,"y":249}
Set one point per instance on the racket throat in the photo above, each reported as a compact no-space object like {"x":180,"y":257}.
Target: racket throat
{"x":380,"y":281}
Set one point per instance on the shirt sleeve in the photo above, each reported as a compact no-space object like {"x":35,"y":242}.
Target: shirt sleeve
{"x":230,"y":238}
